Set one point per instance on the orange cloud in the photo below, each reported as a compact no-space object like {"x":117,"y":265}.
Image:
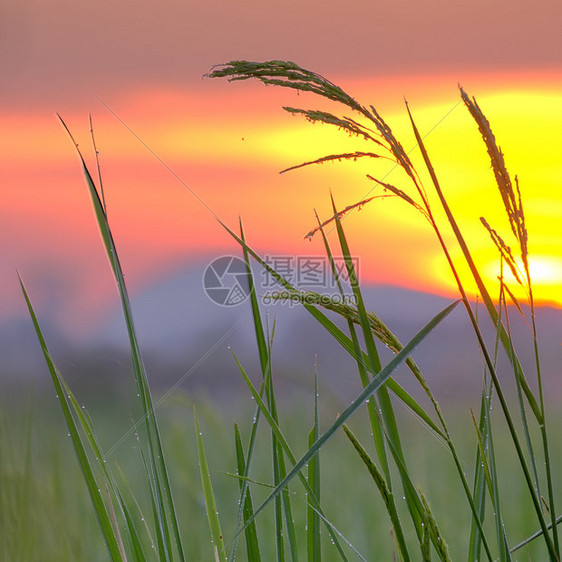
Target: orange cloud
{"x":217,"y":153}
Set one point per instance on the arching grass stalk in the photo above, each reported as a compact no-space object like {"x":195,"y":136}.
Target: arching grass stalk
{"x":290,"y":75}
{"x":487,"y":358}
{"x":167,"y":528}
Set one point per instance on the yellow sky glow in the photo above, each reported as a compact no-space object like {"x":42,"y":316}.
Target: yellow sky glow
{"x":230,"y":154}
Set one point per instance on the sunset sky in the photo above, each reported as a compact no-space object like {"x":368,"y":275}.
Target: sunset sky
{"x":178,"y":150}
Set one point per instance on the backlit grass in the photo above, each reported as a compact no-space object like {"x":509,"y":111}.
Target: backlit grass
{"x":359,"y":482}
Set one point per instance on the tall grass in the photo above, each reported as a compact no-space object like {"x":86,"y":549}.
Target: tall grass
{"x":419,"y":531}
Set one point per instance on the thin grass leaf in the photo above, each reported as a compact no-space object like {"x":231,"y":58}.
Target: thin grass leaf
{"x":346,"y":342}
{"x":489,"y":470}
{"x":382,"y":332}
{"x":88,"y":429}
{"x":167,"y":520}
{"x":514,"y":300}
{"x":479,"y":488}
{"x":484,"y":458}
{"x":256,"y":314}
{"x":492,"y":312}
{"x":417,"y":503}
{"x":385,"y":404}
{"x":265,"y":361}
{"x":534,"y":536}
{"x":252,"y":543}
{"x":521,"y":403}
{"x":140,"y":515}
{"x":390,"y":340}
{"x":279,"y":472}
{"x":133,"y":535}
{"x":313,"y":476}
{"x":352,"y":347}
{"x":282,"y":441}
{"x":372,"y":387}
{"x":504,"y":338}
{"x":385,"y":493}
{"x":94,"y":488}
{"x":285,"y":512}
{"x":210,"y":505}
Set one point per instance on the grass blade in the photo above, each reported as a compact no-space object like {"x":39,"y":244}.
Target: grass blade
{"x":94,"y":488}
{"x":167,"y":520}
{"x":372,"y":387}
{"x":282,"y":441}
{"x":503,"y":336}
{"x":313,"y":477}
{"x":252,"y":544}
{"x":385,"y":404}
{"x":385,"y":492}
{"x":212,"y":513}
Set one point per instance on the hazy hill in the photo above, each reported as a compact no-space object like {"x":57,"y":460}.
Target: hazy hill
{"x":185,"y":338}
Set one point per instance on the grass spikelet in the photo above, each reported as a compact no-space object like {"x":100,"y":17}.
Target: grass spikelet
{"x":339,"y":157}
{"x":286,"y":74}
{"x":439,"y":541}
{"x":350,"y":126}
{"x":401,"y":194}
{"x":511,"y":200}
{"x":504,"y":249}
{"x":338,"y":215}
{"x":393,"y":143}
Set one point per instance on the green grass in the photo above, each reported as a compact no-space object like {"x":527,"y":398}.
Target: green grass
{"x":48,"y":508}
{"x":386,"y":476}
